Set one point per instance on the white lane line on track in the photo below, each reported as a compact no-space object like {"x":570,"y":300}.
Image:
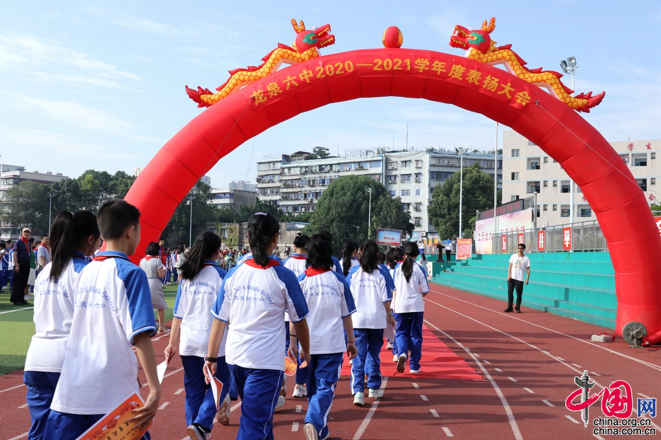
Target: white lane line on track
{"x":501,"y":396}
{"x":643,"y":396}
{"x":370,"y":413}
{"x":658,"y":428}
{"x":486,"y":361}
{"x":558,"y":357}
{"x":17,"y":310}
{"x":299,"y":408}
{"x":529,"y":390}
{"x":294,"y":427}
{"x":12,"y":388}
{"x":434,"y":413}
{"x":477,"y":355}
{"x":548,"y":403}
{"x":423,"y":397}
{"x":512,"y":379}
{"x":415,"y":385}
{"x":577,"y":366}
{"x":164,"y":405}
{"x":598,"y":437}
{"x":572,"y":419}
{"x":25,"y":434}
{"x":596,"y":374}
{"x":647,"y":364}
{"x":498,"y":370}
{"x":179,"y":391}
{"x":447,"y":432}
{"x":168,"y":375}
{"x":25,"y":405}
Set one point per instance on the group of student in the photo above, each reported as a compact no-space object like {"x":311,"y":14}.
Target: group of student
{"x":20,"y":263}
{"x":232,"y":325}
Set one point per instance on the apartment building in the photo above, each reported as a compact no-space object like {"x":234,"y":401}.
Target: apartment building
{"x":295,"y":182}
{"x":528,"y":170}
{"x":239,"y":194}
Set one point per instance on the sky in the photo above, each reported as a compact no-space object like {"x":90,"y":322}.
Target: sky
{"x":100,"y":85}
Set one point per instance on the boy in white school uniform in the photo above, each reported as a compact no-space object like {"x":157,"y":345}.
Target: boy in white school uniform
{"x":112,"y":312}
{"x":253,"y":298}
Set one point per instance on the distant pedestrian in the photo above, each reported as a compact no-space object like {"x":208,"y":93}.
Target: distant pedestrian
{"x":21,"y":258}
{"x":448,"y":250}
{"x":153,"y":267}
{"x":519,"y":265}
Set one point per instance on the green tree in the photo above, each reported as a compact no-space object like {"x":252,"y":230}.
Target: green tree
{"x":321,"y":152}
{"x":343,"y":210}
{"x":246,"y":211}
{"x":178,"y":229}
{"x":444,"y":207}
{"x":389,"y":214}
{"x":226,"y":215}
{"x":26,"y":204}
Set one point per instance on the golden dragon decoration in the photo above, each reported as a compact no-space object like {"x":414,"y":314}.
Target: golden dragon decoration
{"x":483,"y":49}
{"x":304,"y":48}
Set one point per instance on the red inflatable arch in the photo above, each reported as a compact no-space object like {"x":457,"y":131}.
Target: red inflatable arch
{"x":608,"y":186}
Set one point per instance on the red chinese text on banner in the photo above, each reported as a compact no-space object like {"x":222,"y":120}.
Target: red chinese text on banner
{"x":566,"y":239}
{"x":541,"y":240}
{"x":521,"y":238}
{"x":464,"y":248}
{"x":503,"y":241}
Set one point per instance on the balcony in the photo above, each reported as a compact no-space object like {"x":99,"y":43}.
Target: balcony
{"x":417,"y":208}
{"x":417,"y":180}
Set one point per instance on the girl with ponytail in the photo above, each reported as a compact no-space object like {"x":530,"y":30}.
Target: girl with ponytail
{"x":349,"y":258}
{"x":74,"y":237}
{"x":153,"y":267}
{"x":253,"y":299}
{"x":372,"y":295}
{"x":411,"y":286}
{"x":201,"y":279}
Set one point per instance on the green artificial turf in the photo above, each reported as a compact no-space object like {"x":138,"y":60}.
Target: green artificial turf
{"x":17,"y":328}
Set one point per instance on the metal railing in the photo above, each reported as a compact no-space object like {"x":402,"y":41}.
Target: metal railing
{"x":585,"y":237}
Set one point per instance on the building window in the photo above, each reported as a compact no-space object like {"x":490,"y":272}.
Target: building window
{"x":642,"y":183}
{"x":564,"y":212}
{"x":640,"y":160}
{"x":555,"y":184}
{"x":533,"y":164}
{"x":533,"y":187}
{"x":440,"y":176}
{"x":417,"y":192}
{"x":418,"y":221}
{"x":625,"y":158}
{"x":585,"y":212}
{"x":564,"y":187}
{"x":418,"y":164}
{"x":515,"y":176}
{"x":417,"y":206}
{"x":513,"y":198}
{"x":653,"y":181}
{"x":515,"y":152}
{"x":393,"y":193}
{"x":392,"y":179}
{"x":531,"y":143}
{"x":546,"y":207}
{"x":406,"y":163}
{"x":406,"y":192}
{"x":652,"y":155}
{"x":546,"y":184}
{"x":555,"y":161}
{"x":555,"y":207}
{"x":406,"y":177}
{"x":546,"y":160}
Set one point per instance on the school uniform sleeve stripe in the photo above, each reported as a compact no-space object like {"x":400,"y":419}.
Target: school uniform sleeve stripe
{"x":348,"y":297}
{"x":300,"y":307}
{"x":176,"y":312}
{"x":139,"y":298}
{"x":220,"y":309}
{"x":424,"y":284}
{"x":390,"y":284}
{"x":423,"y":268}
{"x":221,"y":272}
{"x":350,"y":274}
{"x":301,"y":277}
{"x":338,"y":268}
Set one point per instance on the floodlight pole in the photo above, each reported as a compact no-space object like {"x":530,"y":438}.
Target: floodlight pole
{"x":495,"y":183}
{"x":461,"y":186}
{"x":570,"y":66}
{"x":50,"y":209}
{"x":369,"y":214}
{"x":190,"y":233}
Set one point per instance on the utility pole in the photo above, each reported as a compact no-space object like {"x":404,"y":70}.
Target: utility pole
{"x":50,"y":209}
{"x":569,"y":66}
{"x":369,"y":214}
{"x":495,"y":183}
{"x":190,"y":233}
{"x":461,"y":187}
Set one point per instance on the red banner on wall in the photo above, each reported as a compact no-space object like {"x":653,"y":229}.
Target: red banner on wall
{"x":541,"y":240}
{"x":566,"y":239}
{"x":521,"y":238}
{"x":658,"y":223}
{"x":503,"y":241}
{"x":464,"y":248}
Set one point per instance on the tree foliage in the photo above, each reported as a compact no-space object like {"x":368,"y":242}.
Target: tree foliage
{"x":178,"y":228}
{"x":343,"y":210}
{"x":444,"y":207}
{"x":321,"y":152}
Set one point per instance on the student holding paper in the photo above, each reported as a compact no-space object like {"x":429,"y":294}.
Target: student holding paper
{"x":201,"y":278}
{"x":112,"y":312}
{"x":253,"y":299}
{"x":75,"y":236}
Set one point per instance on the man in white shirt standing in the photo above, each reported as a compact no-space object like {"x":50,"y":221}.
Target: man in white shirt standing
{"x":519,"y":265}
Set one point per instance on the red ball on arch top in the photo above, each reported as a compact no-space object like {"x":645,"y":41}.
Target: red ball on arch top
{"x":392,"y":37}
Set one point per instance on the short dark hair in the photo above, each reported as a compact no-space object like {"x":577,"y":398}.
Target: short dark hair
{"x":152,"y":249}
{"x":522,"y":244}
{"x":320,"y":252}
{"x":115,"y":217}
{"x":261,"y":229}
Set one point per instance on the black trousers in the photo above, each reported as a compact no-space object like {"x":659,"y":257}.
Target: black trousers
{"x":448,"y":253}
{"x":20,"y":281}
{"x":511,"y":285}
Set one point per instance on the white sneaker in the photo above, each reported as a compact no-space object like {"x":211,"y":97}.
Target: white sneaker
{"x":300,"y":391}
{"x":196,"y":433}
{"x":359,"y":399}
{"x":310,"y":432}
{"x":395,"y":358}
{"x":414,"y":371}
{"x":400,"y":363}
{"x":223,"y":414}
{"x":281,"y":402}
{"x":375,"y":394}
{"x":389,"y":346}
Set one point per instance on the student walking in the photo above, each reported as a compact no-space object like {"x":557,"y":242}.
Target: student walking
{"x":153,"y":267}
{"x":100,"y":368}
{"x":75,"y":237}
{"x":331,"y":305}
{"x":372,"y":297}
{"x":349,"y":256}
{"x":253,"y":299}
{"x":201,"y":279}
{"x":519,"y":265}
{"x":296,"y":263}
{"x":411,"y":286}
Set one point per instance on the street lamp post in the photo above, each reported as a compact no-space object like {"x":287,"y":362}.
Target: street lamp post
{"x":369,"y":214}
{"x":569,"y":66}
{"x":50,"y":208}
{"x":190,"y":198}
{"x":461,"y":187}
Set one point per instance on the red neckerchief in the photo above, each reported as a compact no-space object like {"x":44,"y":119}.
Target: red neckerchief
{"x":105,"y":257}
{"x":311,"y":271}
{"x":401,"y":261}
{"x":271,"y":263}
{"x":299,"y":257}
{"x":149,"y":257}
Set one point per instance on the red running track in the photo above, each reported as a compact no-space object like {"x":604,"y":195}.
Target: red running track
{"x":526,"y":362}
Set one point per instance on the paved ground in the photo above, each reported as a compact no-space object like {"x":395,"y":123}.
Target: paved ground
{"x":527,"y":363}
